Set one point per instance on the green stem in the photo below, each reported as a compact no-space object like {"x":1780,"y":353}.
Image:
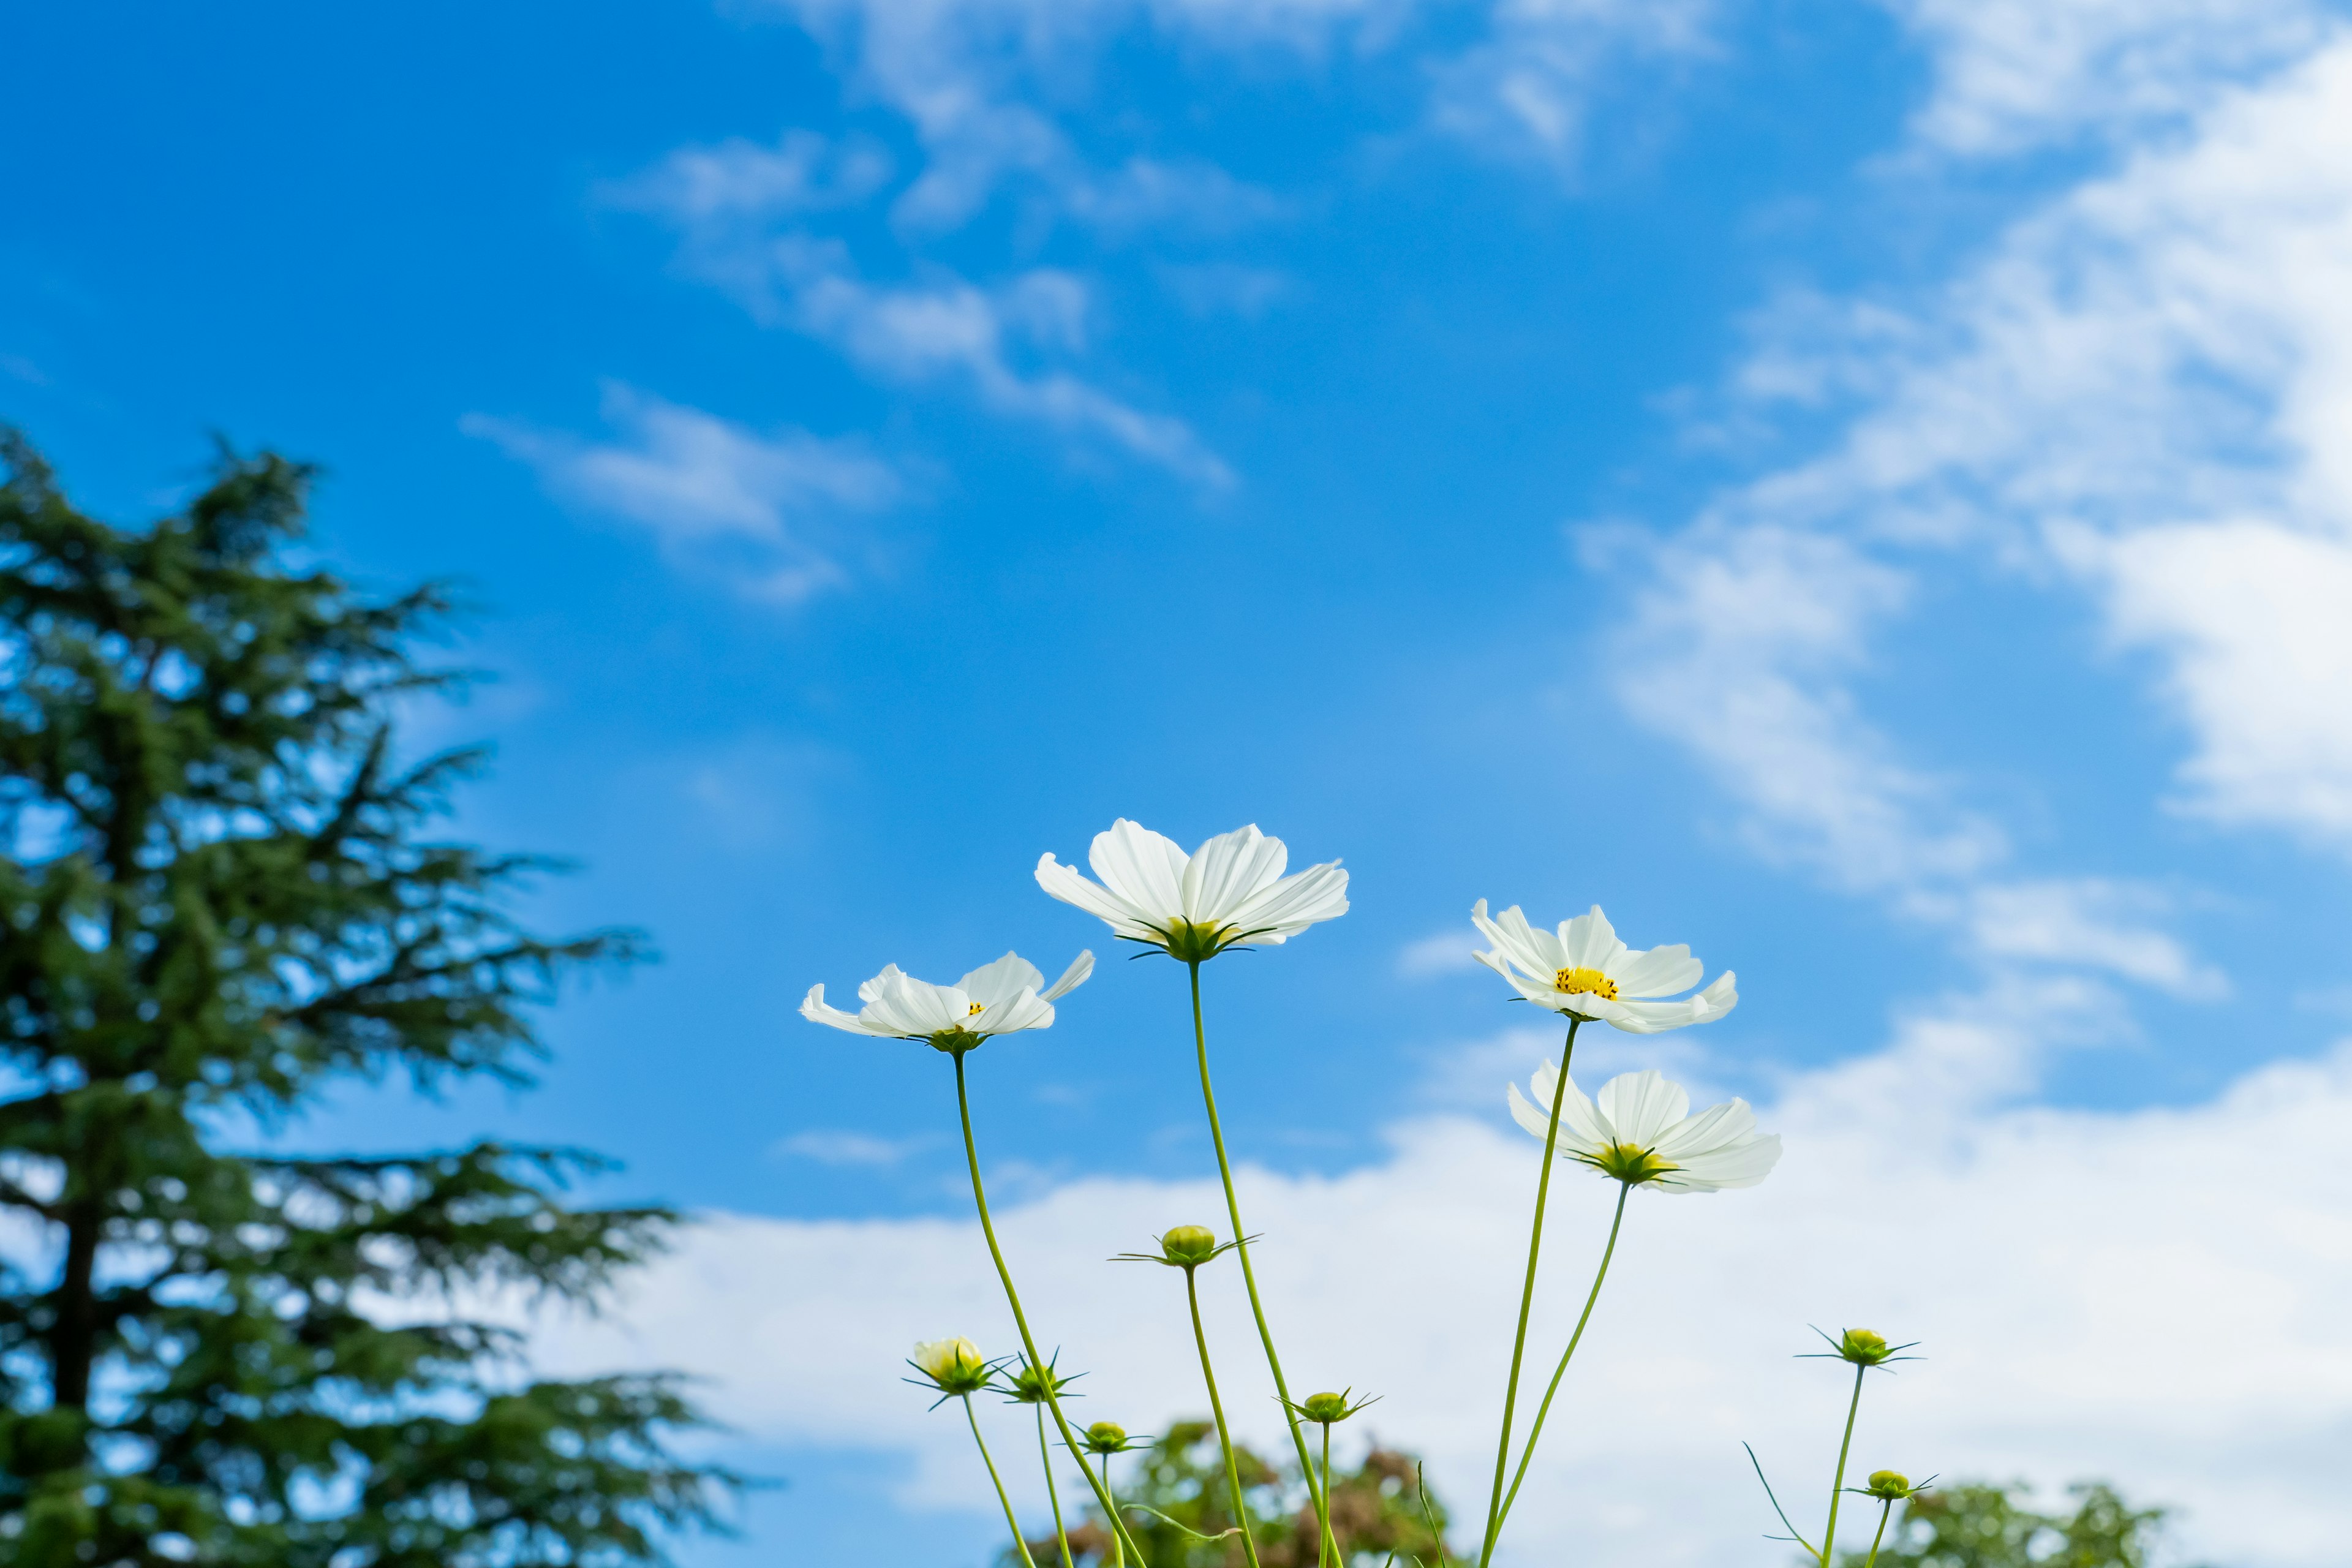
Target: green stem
{"x":1020,"y":1319}
{"x":1019,"y":1544}
{"x":1884,"y":1509}
{"x":1837,"y":1482}
{"x":1045,"y":1458}
{"x":1526,"y":1299}
{"x":1217,"y":1409}
{"x":1249,"y":1276}
{"x":1115,"y":1557}
{"x":1534,"y":1429}
{"x":1321,"y":1554}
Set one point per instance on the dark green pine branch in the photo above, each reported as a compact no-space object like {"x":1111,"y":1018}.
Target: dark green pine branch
{"x":219,"y":892}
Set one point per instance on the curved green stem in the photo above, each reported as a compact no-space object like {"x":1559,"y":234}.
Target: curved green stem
{"x":1535,"y":1429}
{"x":1837,"y":1482}
{"x":1020,"y":1319}
{"x":1019,"y":1544}
{"x":1046,"y":1457}
{"x":1217,"y":1409}
{"x":1249,"y":1277}
{"x":1527,"y":1300}
{"x":1884,"y":1509}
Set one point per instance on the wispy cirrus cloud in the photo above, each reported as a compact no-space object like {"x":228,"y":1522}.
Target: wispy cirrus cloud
{"x":2014,"y":75}
{"x":761,"y":509}
{"x":2137,"y":392}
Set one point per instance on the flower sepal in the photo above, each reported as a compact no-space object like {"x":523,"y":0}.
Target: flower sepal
{"x":1891,"y":1486}
{"x":1326,"y":1409}
{"x":1025,"y":1383}
{"x":1861,"y":1347}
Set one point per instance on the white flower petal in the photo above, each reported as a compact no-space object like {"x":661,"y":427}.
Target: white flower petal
{"x":1289,"y":906}
{"x":1741,"y":1165}
{"x":1716,"y":1127}
{"x":1141,"y":867}
{"x":1228,"y":872}
{"x":1070,"y":885}
{"x":1535,"y":1119}
{"x":917,"y":1008}
{"x":1642,"y":1106}
{"x":813,"y":1008}
{"x":1661,"y":971}
{"x":1072,"y":977}
{"x":1537,"y":952}
{"x":873,"y":988}
{"x":1589,"y":942}
{"x":1025,"y":1010}
{"x":1583,"y":1128}
{"x":1000,"y":981}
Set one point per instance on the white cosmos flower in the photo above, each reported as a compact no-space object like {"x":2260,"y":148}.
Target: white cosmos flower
{"x":995,"y":999}
{"x":1231,"y":892}
{"x":1640,"y":1133}
{"x":1584,"y":970}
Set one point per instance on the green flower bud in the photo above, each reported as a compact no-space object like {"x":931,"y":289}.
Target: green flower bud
{"x":1106,"y":1437}
{"x":1325,"y":1409}
{"x":1028,"y":1385}
{"x":1188,"y":1245}
{"x":1892,"y":1485}
{"x":1862,"y":1348}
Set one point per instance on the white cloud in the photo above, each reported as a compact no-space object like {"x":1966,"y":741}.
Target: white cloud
{"x":2253,"y":621}
{"x":2091,"y":922}
{"x":2143,"y":392}
{"x":839,"y":1146}
{"x":2011,"y":75}
{"x":1531,"y":85}
{"x":2121,"y":1295}
{"x":1740,"y":650}
{"x":1439,"y":953}
{"x":978,"y":80}
{"x":712,"y":491}
{"x":945,"y":327}
{"x":2147,"y":388}
{"x":738,"y":181}
{"x":1188,"y":194}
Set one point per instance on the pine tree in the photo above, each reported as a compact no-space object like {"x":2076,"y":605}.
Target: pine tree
{"x":218,"y":896}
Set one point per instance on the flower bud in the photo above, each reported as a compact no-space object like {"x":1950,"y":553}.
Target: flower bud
{"x":1893,"y":1486}
{"x":1188,"y":1245}
{"x":1325,"y":1409}
{"x":1862,"y":1348}
{"x":954,"y":1366}
{"x":1106,"y":1437}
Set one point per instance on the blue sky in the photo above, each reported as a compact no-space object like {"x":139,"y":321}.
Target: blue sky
{"x":1857,"y":488}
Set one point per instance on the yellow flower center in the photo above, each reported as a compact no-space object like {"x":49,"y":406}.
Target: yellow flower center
{"x":977,"y":1009}
{"x":1584,"y":983}
{"x":1629,"y":1162}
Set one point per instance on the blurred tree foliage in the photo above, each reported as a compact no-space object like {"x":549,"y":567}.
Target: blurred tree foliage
{"x":1376,"y":1510}
{"x":1978,"y":1526}
{"x":218,"y":897}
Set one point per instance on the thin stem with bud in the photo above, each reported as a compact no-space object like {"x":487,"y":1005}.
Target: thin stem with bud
{"x":1317,"y":1494}
{"x":1020,"y":1319}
